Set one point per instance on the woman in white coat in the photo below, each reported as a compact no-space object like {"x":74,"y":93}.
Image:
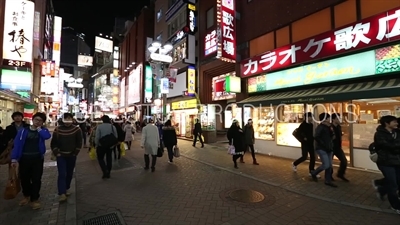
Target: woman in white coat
{"x":150,"y":143}
{"x":129,"y":132}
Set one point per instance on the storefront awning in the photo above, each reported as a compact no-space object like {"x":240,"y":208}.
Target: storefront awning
{"x":373,"y":89}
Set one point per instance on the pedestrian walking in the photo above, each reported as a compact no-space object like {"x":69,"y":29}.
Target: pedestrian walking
{"x":324,"y":136}
{"x":249,"y":139}
{"x":17,"y":125}
{"x":306,"y":136}
{"x":170,"y":140}
{"x":121,"y":138}
{"x":387,"y":144}
{"x":66,"y":145}
{"x":197,"y":132}
{"x":106,"y":138}
{"x":28,"y":154}
{"x":129,"y":134}
{"x":337,"y":147}
{"x":236,"y":139}
{"x":150,"y":143}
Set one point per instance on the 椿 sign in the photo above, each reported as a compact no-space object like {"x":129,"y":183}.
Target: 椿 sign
{"x":219,"y":88}
{"x":372,"y":31}
{"x":18,"y":33}
{"x":375,"y":62}
{"x":227,"y":30}
{"x":210,"y":43}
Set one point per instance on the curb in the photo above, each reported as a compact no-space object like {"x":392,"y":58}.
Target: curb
{"x":70,"y":215}
{"x":291,"y":189}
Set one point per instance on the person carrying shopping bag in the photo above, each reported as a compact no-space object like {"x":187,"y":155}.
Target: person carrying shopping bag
{"x":236,"y":140}
{"x":170,"y":140}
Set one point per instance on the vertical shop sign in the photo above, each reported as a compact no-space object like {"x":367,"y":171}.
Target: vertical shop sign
{"x":191,"y":81}
{"x":227,"y":30}
{"x":148,"y":85}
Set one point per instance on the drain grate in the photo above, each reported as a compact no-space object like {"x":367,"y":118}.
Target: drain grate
{"x":114,"y":218}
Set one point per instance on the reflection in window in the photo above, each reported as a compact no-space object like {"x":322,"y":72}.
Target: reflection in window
{"x":289,"y":118}
{"x":263,"y":121}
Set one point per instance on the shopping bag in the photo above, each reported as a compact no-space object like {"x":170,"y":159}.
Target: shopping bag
{"x":231,"y":150}
{"x":160,"y":152}
{"x":123,"y":148}
{"x":176,"y":152}
{"x":13,"y":186}
{"x":92,"y":153}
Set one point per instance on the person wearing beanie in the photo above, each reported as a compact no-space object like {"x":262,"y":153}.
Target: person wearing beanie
{"x":28,"y":153}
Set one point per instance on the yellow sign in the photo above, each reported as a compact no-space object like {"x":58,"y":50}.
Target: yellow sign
{"x":192,"y":7}
{"x":188,"y":104}
{"x":191,"y":81}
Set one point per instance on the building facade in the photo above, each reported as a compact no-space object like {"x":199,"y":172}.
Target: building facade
{"x":20,"y":58}
{"x":345,"y":63}
{"x":136,"y":80}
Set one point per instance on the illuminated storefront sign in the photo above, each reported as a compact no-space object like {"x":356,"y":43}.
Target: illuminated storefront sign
{"x":210,"y":43}
{"x":103,"y":45}
{"x":379,"y":61}
{"x":122,"y":96}
{"x":227,"y":24}
{"x":369,"y":32}
{"x":48,"y":68}
{"x":188,"y":104}
{"x":16,"y":81}
{"x":164,"y":85}
{"x":148,"y":85}
{"x":219,"y":91}
{"x":191,"y":81}
{"x":232,"y":84}
{"x":19,"y":18}
{"x":191,"y":19}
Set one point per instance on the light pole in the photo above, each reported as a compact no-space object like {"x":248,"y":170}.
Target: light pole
{"x":160,"y":54}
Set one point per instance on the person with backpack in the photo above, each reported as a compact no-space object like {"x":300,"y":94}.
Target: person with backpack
{"x":387,"y":146}
{"x":305,"y":135}
{"x":106,"y":138}
{"x":121,"y":139}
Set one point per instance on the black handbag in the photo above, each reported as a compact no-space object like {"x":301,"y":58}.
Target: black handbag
{"x":160,"y":152}
{"x":109,"y":140}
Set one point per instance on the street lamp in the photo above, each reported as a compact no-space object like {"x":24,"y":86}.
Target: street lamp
{"x":159,"y":54}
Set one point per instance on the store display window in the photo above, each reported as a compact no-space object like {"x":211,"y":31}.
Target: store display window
{"x":208,"y":117}
{"x":367,"y":113}
{"x":288,"y":119}
{"x":263,"y":121}
{"x":230,"y":115}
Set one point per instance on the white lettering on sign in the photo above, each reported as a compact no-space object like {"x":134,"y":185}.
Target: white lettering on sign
{"x":319,"y":45}
{"x":227,"y":18}
{"x":227,"y":32}
{"x":290,"y":53}
{"x":350,"y":37}
{"x":250,"y":67}
{"x":229,"y":48}
{"x":269,"y":57}
{"x":383,"y":32}
{"x":210,"y":42}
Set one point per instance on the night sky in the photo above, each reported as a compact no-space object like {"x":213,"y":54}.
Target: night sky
{"x":94,"y":17}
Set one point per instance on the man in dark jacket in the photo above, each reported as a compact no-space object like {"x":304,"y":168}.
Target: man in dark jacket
{"x":249,"y":139}
{"x":121,"y":138}
{"x":18,"y":124}
{"x":66,"y":145}
{"x":306,"y":130}
{"x":197,"y":131}
{"x":324,"y":146}
{"x":387,"y":144}
{"x":337,"y":147}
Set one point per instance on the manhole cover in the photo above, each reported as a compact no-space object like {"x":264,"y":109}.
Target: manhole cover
{"x":114,"y":218}
{"x":246,"y":196}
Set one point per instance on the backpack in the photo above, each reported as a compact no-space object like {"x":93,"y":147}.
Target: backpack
{"x":373,"y":154}
{"x":297,"y":135}
{"x":109,"y":140}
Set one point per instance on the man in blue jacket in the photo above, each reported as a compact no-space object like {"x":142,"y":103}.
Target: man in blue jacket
{"x":28,"y":152}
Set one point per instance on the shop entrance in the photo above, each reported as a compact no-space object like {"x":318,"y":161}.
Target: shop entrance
{"x":191,"y":120}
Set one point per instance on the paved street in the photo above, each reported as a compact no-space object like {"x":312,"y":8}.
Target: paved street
{"x":196,"y":190}
{"x":190,"y":192}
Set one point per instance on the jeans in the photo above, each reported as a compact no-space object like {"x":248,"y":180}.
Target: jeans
{"x":65,"y":166}
{"x":306,"y":149}
{"x":30,"y":173}
{"x":170,"y":150}
{"x":253,"y":154}
{"x":326,"y":159}
{"x":392,"y":180}
{"x":339,"y":153}
{"x":200,"y":139}
{"x":101,"y":152}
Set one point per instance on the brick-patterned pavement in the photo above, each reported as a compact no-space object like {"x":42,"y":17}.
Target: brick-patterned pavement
{"x":189,"y":192}
{"x":51,"y":212}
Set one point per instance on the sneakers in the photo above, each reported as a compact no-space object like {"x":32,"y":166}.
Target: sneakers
{"x":374,"y":185}
{"x":294,"y":168}
{"x":24,"y":201}
{"x":35,"y":205}
{"x":396,"y":210}
{"x":68,"y":193}
{"x":62,"y":198}
{"x":380,"y":196}
{"x":317,"y":176}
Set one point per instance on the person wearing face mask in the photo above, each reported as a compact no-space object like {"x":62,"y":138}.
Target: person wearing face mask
{"x":236,"y":139}
{"x":387,"y":145}
{"x":249,"y":139}
{"x":28,"y":153}
{"x":66,"y":145}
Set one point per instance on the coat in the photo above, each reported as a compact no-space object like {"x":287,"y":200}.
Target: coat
{"x":129,"y":130}
{"x":249,"y":135}
{"x":150,"y":139}
{"x":235,"y":137}
{"x":169,"y":136}
{"x":388,"y":147}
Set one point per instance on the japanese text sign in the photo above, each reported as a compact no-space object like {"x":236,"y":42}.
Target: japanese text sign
{"x":372,"y":31}
{"x":148,"y":85}
{"x":191,"y":19}
{"x":191,"y":81}
{"x":48,"y":68}
{"x":227,"y":30}
{"x":18,"y":33}
{"x":210,"y":43}
{"x":219,"y":91}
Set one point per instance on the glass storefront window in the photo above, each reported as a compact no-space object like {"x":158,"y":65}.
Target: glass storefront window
{"x":208,"y":117}
{"x":263,"y":122}
{"x":367,"y":113}
{"x":289,"y":118}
